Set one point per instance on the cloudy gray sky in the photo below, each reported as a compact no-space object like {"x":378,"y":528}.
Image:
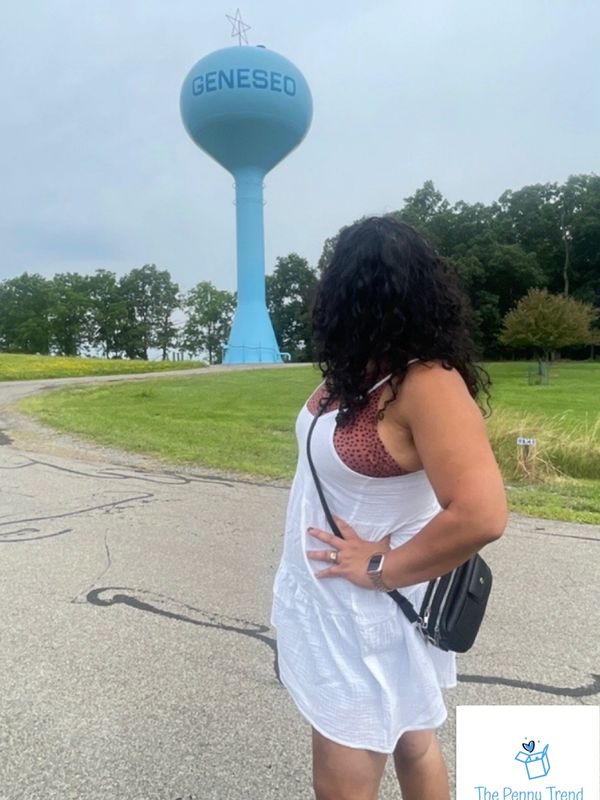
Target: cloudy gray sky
{"x":97,"y":170}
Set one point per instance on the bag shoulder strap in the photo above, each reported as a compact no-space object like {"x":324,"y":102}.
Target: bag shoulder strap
{"x":405,"y":604}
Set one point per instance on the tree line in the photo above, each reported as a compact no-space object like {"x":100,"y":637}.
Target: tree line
{"x":71,"y":314}
{"x":543,"y":236}
{"x":519,"y":255}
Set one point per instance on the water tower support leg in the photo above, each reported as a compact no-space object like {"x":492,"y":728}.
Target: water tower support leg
{"x":252,"y":339}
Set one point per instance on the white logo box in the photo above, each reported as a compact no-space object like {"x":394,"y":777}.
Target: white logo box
{"x":528,"y":752}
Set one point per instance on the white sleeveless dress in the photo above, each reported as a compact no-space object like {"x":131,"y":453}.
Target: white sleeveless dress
{"x":356,"y":668}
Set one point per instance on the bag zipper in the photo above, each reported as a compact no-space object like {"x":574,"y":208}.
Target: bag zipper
{"x":443,"y":604}
{"x":425,"y":618}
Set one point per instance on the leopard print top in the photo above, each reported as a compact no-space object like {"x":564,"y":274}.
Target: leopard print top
{"x":358,"y":444}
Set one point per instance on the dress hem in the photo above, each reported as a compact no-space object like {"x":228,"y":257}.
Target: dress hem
{"x":345,"y":743}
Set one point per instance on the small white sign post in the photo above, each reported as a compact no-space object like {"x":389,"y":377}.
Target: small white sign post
{"x":526,"y":447}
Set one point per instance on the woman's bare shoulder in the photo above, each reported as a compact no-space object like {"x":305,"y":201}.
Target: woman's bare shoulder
{"x":423,"y":382}
{"x":419,"y":372}
{"x":433,"y":376}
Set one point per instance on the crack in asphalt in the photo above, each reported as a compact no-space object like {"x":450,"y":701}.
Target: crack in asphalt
{"x":18,"y":534}
{"x":561,"y":691}
{"x":560,"y":536}
{"x":21,"y":532}
{"x":164,"y":477}
{"x":106,"y":596}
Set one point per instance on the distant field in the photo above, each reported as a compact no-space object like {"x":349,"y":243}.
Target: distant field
{"x":20,"y":367}
{"x":244,"y":421}
{"x":572,"y":392}
{"x":563,"y":416}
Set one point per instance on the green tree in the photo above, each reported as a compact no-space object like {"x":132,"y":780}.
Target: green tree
{"x":290,"y":292}
{"x":530,"y":218}
{"x":68,"y":312}
{"x":24,"y":314}
{"x":150,"y":297}
{"x":547,"y":322}
{"x":467,"y":224}
{"x":108,"y":312}
{"x":510,"y":272}
{"x":166,"y":299}
{"x":485,"y":305}
{"x":495,"y":276}
{"x":210,"y":312}
{"x":581,"y":236}
{"x":560,"y":223}
{"x":429,"y":212}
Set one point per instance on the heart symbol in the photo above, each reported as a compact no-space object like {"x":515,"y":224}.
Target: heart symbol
{"x":529,"y":746}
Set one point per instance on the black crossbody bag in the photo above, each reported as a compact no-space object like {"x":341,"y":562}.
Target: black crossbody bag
{"x":454,"y":604}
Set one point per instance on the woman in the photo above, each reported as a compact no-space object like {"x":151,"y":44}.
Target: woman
{"x":406,"y":466}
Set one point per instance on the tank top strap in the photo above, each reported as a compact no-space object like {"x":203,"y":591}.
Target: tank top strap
{"x":387,"y":377}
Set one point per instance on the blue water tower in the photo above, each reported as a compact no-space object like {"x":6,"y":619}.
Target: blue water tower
{"x":247,"y":107}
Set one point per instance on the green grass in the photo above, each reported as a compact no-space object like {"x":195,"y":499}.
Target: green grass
{"x":244,"y":422}
{"x":572,"y":391}
{"x":237,"y":421}
{"x":22,"y":367}
{"x":566,"y":499}
{"x":564,"y":417}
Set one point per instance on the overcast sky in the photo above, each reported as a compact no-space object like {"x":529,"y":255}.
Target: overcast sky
{"x":97,"y":170}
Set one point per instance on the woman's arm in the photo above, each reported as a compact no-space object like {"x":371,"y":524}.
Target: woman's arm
{"x":450,"y":436}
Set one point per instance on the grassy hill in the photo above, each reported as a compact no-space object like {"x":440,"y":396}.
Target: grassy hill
{"x":244,"y":422}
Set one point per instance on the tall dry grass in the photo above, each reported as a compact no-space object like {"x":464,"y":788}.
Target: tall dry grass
{"x":564,"y":448}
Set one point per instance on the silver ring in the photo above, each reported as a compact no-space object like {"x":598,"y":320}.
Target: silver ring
{"x":333,"y":555}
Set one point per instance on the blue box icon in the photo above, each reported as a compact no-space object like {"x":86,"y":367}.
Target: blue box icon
{"x":537,"y":764}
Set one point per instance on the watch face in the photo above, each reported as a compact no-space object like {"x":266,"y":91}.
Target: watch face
{"x":375,"y":563}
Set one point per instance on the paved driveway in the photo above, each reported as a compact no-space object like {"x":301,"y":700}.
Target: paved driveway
{"x":136,"y":657}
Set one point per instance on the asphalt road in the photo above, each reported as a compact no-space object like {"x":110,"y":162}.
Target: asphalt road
{"x":136,"y":657}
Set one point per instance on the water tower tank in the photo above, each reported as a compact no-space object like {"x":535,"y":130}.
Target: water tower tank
{"x":247,"y":107}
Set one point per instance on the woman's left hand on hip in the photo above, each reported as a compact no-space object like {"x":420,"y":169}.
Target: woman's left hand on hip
{"x":353,"y":553}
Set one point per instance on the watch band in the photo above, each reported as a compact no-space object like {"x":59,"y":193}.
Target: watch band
{"x":376,"y":577}
{"x":378,"y":582}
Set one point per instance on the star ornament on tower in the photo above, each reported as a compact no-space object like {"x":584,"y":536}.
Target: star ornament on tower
{"x":239,"y":27}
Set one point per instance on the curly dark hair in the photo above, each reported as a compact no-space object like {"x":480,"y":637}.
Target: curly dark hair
{"x":386,"y":296}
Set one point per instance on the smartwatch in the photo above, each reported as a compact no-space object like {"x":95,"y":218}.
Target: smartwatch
{"x":374,"y":571}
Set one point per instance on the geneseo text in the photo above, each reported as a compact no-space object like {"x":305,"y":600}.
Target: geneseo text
{"x":243,"y":78}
